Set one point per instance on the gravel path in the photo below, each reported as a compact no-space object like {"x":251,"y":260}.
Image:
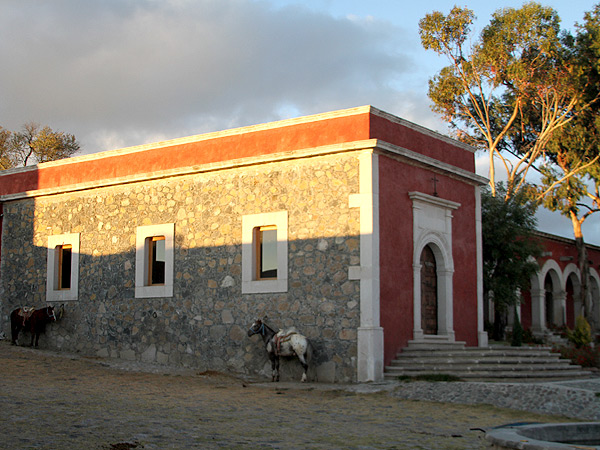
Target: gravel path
{"x":56,"y":401}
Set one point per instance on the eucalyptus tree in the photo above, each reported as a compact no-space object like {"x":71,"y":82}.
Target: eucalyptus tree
{"x":506,"y":91}
{"x":576,"y":149}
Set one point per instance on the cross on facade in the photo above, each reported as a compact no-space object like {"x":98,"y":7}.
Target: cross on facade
{"x":435,"y":180}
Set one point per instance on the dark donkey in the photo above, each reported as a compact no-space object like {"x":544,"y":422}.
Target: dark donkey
{"x":32,"y":320}
{"x":282,"y":343}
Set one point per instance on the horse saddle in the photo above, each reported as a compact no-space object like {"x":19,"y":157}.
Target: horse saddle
{"x":26,"y":312}
{"x":282,"y":336}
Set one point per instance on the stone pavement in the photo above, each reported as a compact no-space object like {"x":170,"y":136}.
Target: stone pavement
{"x":57,"y":401}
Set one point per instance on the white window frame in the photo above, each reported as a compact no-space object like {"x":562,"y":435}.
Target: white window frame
{"x":250,"y":283}
{"x":53,"y":293}
{"x":142,"y":289}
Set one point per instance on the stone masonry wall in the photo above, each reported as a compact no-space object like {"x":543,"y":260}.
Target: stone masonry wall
{"x":204,"y":324}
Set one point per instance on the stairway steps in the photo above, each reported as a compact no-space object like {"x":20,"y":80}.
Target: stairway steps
{"x":491,"y":363}
{"x":478,"y":360}
{"x":501,"y":375}
{"x":478,"y":368}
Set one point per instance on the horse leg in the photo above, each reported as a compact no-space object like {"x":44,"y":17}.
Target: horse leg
{"x":274,"y":367}
{"x":14,"y":331}
{"x":303,"y":361}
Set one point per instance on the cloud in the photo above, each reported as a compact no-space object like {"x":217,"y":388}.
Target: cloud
{"x":118,"y":73}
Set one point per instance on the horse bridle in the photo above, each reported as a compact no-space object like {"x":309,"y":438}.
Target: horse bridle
{"x":50,"y":312}
{"x":261,"y":330}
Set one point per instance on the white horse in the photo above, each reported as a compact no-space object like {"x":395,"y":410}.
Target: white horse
{"x":282,"y":343}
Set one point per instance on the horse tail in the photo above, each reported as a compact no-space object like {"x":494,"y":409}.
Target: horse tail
{"x":310,"y":350}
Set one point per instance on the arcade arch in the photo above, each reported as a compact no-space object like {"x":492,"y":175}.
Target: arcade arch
{"x":555,"y":296}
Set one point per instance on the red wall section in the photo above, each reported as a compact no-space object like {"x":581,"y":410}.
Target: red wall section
{"x":19,"y":182}
{"x":396,"y":180}
{"x":328,"y":131}
{"x":425,"y":144}
{"x":395,"y":256}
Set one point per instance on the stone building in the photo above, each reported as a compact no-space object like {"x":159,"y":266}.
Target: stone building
{"x":357,"y":227}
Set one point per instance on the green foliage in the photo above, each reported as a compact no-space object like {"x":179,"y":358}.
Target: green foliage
{"x":530,"y":338}
{"x":581,"y":336}
{"x":585,"y":356}
{"x":508,"y":90}
{"x":34,"y":144}
{"x":576,"y":147}
{"x":446,"y":33}
{"x":509,"y":250}
{"x":5,"y":159}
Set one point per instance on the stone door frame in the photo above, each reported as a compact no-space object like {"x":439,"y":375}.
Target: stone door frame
{"x":432,"y":225}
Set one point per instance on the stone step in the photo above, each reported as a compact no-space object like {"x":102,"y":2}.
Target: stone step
{"x":499,"y":375}
{"x":488,"y":365}
{"x":497,"y":362}
{"x":483,"y":350}
{"x":442,"y":368}
{"x":478,"y":356}
{"x":435,"y":344}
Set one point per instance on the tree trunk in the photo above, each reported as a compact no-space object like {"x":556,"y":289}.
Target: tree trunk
{"x":582,"y":263}
{"x":499,"y":324}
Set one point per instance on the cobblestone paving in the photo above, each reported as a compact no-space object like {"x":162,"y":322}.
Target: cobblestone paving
{"x":54,"y":401}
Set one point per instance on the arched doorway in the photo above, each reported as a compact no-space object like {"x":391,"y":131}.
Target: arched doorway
{"x":429,"y":292}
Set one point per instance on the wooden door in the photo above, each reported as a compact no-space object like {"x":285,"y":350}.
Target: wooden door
{"x":429,"y":300}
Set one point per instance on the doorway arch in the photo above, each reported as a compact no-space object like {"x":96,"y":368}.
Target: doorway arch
{"x":437,"y":263}
{"x":432,"y":228}
{"x":429,"y":292}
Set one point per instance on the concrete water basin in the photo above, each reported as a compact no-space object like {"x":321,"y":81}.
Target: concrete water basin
{"x":551,"y":436}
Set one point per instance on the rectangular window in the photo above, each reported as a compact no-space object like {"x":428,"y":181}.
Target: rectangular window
{"x":64,"y":254}
{"x":156,"y":260}
{"x":266,"y":252}
{"x":62,"y":276}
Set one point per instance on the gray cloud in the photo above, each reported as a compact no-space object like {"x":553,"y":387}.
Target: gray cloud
{"x":118,"y":73}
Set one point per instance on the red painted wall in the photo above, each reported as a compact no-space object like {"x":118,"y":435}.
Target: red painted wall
{"x":396,"y":180}
{"x":329,"y":131}
{"x":423,"y":143}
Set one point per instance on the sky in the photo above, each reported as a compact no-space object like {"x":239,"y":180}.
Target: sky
{"x":119,"y":73}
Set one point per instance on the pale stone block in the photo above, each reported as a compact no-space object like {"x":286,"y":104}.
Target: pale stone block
{"x":326,"y":372}
{"x":149,"y":354}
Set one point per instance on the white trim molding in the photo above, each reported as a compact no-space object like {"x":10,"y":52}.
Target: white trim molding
{"x":370,"y":332}
{"x":482,"y":335}
{"x":53,"y":294}
{"x":432,"y":225}
{"x":142,"y":289}
{"x":250,"y":285}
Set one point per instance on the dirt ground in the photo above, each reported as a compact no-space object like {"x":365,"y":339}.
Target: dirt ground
{"x":56,"y":401}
